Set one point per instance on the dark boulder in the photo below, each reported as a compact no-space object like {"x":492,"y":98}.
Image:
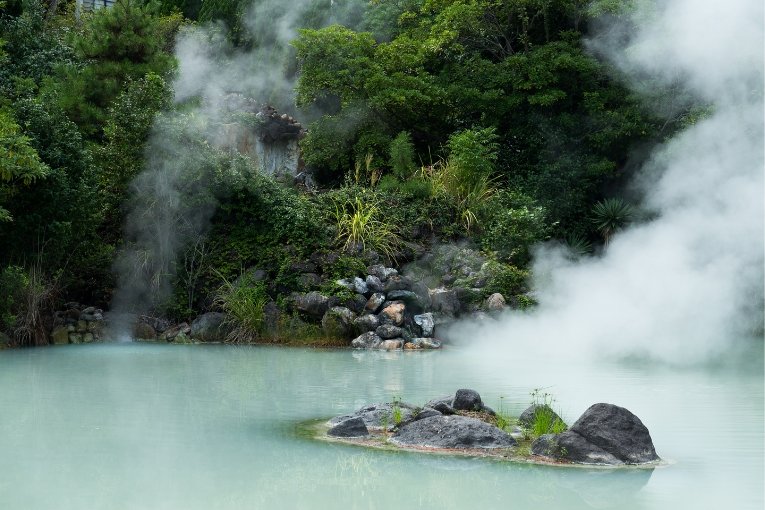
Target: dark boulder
{"x":352,"y":427}
{"x":367,"y":340}
{"x":382,"y":415}
{"x":452,"y":432}
{"x":412,"y":300}
{"x":617,"y":431}
{"x":467,"y":400}
{"x":374,"y":284}
{"x":209,"y":327}
{"x":604,"y":434}
{"x":366,"y":323}
{"x":338,"y":322}
{"x":313,"y":304}
{"x":445,"y":301}
{"x":572,"y":447}
{"x":397,"y":283}
{"x":387,"y":331}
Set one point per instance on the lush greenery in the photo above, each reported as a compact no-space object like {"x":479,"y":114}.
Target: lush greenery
{"x":429,"y":122}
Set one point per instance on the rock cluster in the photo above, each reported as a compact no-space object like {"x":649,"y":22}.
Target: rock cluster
{"x":77,"y":324}
{"x":604,"y":435}
{"x":435,"y":425}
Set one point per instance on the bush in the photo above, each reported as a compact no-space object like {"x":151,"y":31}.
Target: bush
{"x":503,"y":278}
{"x":13,"y":281}
{"x":243,"y":301}
{"x":360,"y":227}
{"x":402,"y":156}
{"x":512,"y":224}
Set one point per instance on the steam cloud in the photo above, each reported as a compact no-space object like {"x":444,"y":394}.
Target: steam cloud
{"x":688,"y":285}
{"x":173,"y":200}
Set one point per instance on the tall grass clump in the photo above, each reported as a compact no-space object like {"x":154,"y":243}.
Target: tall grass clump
{"x":466,"y":174}
{"x":244,"y":302}
{"x":545,"y":419}
{"x":360,"y":227}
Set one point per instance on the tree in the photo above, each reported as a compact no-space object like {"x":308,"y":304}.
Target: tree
{"x":119,"y":45}
{"x":20,"y":165}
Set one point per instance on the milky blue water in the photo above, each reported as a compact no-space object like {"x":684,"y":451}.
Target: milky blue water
{"x":131,"y":426}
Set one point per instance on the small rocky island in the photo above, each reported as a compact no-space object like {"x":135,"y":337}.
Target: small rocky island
{"x":605,"y":434}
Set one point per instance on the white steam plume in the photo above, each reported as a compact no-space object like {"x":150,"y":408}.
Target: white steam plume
{"x":687,"y":285}
{"x":172,"y":202}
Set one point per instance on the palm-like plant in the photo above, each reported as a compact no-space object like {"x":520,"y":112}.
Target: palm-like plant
{"x":611,"y":215}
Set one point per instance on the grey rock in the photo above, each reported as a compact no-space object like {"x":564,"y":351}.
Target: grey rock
{"x":387,"y":331}
{"x":617,"y":431}
{"x":445,"y":301}
{"x":426,"y":343}
{"x":209,"y":327}
{"x":367,"y":340}
{"x":440,"y":400}
{"x":495,"y":303}
{"x":426,"y":323}
{"x":392,"y":345}
{"x":452,"y":432}
{"x":355,"y":303}
{"x":360,"y":286}
{"x":309,"y":280}
{"x":338,"y":322}
{"x":347,"y":283}
{"x":374,"y":284}
{"x":572,"y":447}
{"x":366,"y":323}
{"x":467,"y":400}
{"x":313,"y":304}
{"x":352,"y":427}
{"x":89,"y":310}
{"x":382,"y":272}
{"x":397,"y":282}
{"x":411,"y":299}
{"x":423,"y":293}
{"x":382,"y":415}
{"x":375,"y":302}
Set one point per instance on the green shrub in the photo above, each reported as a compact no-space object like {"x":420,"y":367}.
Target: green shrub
{"x":13,"y":281}
{"x":503,"y":278}
{"x":243,"y":301}
{"x":360,"y":227}
{"x":402,"y":156}
{"x":545,"y":420}
{"x":512,"y":224}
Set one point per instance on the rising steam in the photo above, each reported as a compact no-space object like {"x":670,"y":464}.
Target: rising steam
{"x":173,"y":200}
{"x":688,"y":285}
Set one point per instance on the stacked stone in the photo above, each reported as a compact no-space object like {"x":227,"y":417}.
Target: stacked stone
{"x":77,"y":324}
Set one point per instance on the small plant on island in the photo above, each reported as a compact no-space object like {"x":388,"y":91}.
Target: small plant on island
{"x":544,"y":419}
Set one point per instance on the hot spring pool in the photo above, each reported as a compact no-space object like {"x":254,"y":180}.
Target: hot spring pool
{"x":131,"y":426}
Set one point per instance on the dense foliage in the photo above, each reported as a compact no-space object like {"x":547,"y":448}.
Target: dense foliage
{"x":429,"y":121}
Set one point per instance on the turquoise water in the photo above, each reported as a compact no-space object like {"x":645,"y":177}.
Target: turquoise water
{"x":131,"y":426}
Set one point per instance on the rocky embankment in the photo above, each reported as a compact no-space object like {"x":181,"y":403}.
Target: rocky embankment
{"x":382,"y":308}
{"x":604,"y":435}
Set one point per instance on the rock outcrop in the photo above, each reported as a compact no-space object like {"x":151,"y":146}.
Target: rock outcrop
{"x":604,"y":434}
